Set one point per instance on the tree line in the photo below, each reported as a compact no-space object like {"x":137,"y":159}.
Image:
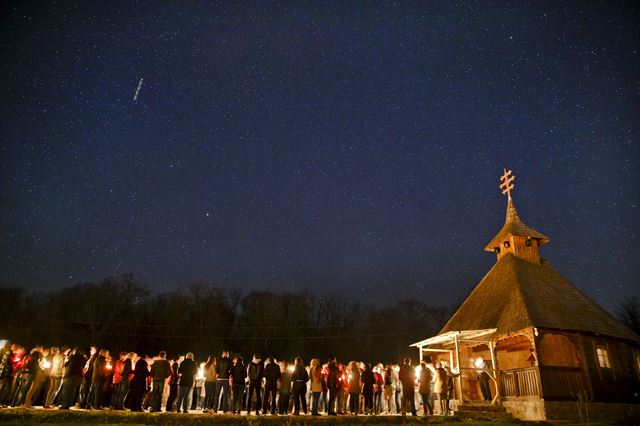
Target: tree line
{"x":120,"y":313}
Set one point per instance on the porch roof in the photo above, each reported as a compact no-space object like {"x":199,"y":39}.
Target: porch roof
{"x":450,"y":336}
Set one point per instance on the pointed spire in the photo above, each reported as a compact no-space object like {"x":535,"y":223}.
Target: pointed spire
{"x":513,"y":225}
{"x":512,"y":213}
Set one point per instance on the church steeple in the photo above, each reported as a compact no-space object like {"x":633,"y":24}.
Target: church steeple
{"x":515,"y":237}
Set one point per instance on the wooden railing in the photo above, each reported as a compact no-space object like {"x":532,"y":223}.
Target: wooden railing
{"x":520,"y":382}
{"x":562,"y":382}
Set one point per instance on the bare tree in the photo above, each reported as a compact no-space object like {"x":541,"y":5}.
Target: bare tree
{"x":629,"y":313}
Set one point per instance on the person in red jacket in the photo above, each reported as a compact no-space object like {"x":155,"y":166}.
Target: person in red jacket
{"x":117,"y":378}
{"x":377,"y":390}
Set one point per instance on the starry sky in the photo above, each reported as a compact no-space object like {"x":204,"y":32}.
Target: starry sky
{"x":334,"y":146}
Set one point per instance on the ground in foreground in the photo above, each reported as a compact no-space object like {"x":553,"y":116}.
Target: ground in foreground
{"x":75,"y":417}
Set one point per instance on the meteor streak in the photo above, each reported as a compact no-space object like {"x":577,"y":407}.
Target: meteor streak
{"x":135,"y":97}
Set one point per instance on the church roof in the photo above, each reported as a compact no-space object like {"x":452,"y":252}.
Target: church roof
{"x":513,"y":225}
{"x":517,"y":294}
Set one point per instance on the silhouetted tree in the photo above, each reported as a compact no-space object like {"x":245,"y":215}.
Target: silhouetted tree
{"x":629,"y":313}
{"x":120,"y":314}
{"x":99,"y":313}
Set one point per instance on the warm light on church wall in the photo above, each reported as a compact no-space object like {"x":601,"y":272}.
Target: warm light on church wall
{"x":558,"y":350}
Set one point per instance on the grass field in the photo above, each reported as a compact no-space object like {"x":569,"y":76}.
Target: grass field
{"x":75,"y":417}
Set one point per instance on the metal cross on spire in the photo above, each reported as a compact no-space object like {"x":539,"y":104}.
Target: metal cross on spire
{"x":507,"y":186}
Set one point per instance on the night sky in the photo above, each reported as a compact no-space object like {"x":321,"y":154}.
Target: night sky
{"x":334,"y":146}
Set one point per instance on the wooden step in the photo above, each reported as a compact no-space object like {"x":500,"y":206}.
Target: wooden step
{"x":482,"y":410}
{"x":480,"y":407}
{"x":484,"y":415}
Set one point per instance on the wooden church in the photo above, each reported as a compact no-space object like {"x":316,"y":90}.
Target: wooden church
{"x":549,"y":351}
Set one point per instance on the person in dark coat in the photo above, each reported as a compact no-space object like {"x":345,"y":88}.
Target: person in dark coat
{"x":187,"y":371}
{"x":407,"y":378}
{"x":271,"y":375}
{"x":484,"y":378}
{"x":88,"y":376}
{"x":160,"y":370}
{"x":299,"y":379}
{"x":450,"y":387}
{"x":255,"y":371}
{"x":223,"y":371}
{"x":98,"y":377}
{"x":333,"y":385}
{"x":173,"y":384}
{"x":284,"y":392}
{"x":238,"y":377}
{"x":138,"y":384}
{"x":426,"y":377}
{"x":73,"y":370}
{"x":368,"y":379}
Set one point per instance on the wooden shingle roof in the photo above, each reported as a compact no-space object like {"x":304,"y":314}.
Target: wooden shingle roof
{"x":513,"y":225}
{"x":517,"y":294}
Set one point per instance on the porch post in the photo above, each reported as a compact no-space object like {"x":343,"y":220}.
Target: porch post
{"x":459,"y":381}
{"x":495,"y":370}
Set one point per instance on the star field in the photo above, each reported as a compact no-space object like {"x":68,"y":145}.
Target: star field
{"x":325,"y":145}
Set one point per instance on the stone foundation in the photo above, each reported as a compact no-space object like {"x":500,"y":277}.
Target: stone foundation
{"x":598,"y":412}
{"x":538,"y":409}
{"x":526,"y":409}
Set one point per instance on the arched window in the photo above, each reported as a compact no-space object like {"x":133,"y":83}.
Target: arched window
{"x":603,"y":357}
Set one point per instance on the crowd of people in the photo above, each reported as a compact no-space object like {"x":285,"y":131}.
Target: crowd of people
{"x":75,"y":378}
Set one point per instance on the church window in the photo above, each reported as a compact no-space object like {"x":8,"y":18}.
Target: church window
{"x":603,"y":357}
{"x":506,"y":244}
